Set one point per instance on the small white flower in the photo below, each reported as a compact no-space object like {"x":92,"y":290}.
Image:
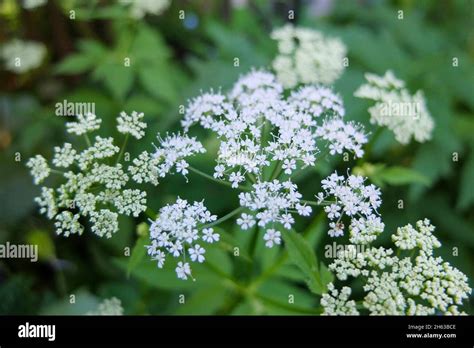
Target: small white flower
{"x":336,"y":229}
{"x":197,"y":253}
{"x":183,"y":270}
{"x":245,"y":221}
{"x":303,"y":210}
{"x":289,"y":166}
{"x":159,"y":257}
{"x":209,"y":236}
{"x":181,"y":167}
{"x":219,"y":171}
{"x":272,"y":237}
{"x":235,"y":179}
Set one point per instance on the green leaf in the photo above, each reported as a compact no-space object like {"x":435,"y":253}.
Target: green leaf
{"x":303,"y":256}
{"x":204,"y":301}
{"x":402,"y":176}
{"x":138,"y":254}
{"x":281,"y":297}
{"x":151,"y":78}
{"x":42,"y":239}
{"x":76,"y":64}
{"x":466,"y":192}
{"x":396,"y":175}
{"x":84,"y":303}
{"x":117,"y":78}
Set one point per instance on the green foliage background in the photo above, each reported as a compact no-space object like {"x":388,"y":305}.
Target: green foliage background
{"x":173,"y":60}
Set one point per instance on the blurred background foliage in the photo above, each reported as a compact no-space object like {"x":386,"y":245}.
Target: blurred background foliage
{"x":173,"y":59}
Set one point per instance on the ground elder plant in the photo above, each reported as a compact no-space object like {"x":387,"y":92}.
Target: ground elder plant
{"x":270,"y":126}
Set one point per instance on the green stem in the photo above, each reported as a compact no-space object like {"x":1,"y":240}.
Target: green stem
{"x":276,"y":171}
{"x":88,"y":141}
{"x":224,"y":218}
{"x":55,"y":171}
{"x":252,"y":178}
{"x":370,"y":145}
{"x":316,"y":204}
{"x":210,"y":177}
{"x":122,"y":149}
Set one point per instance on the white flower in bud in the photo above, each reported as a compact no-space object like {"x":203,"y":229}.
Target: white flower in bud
{"x":131,"y":124}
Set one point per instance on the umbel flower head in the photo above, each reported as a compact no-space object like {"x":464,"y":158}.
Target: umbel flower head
{"x":404,"y":114}
{"x":352,"y":198}
{"x":410,"y":282}
{"x":140,"y":8}
{"x":180,"y":231}
{"x":94,"y":183}
{"x":110,"y":306}
{"x":259,"y":128}
{"x":21,"y":56}
{"x":265,"y":135}
{"x":307,"y":56}
{"x":169,"y":155}
{"x":272,"y":202}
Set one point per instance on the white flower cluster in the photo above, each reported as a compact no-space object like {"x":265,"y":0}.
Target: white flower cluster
{"x":139,"y":8}
{"x":350,"y":197}
{"x":97,"y":191}
{"x":171,"y":152}
{"x":404,"y":114}
{"x":84,"y":124}
{"x":39,"y":168}
{"x":178,"y":230}
{"x":131,"y":124}
{"x":259,"y":127}
{"x":342,"y":136}
{"x":307,"y":56}
{"x":22,"y":56}
{"x":110,"y":306}
{"x":273,"y":203}
{"x":31,"y":4}
{"x":416,"y":284}
{"x":336,"y":302}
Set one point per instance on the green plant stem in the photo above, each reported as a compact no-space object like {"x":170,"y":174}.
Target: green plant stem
{"x":88,"y":141}
{"x":317,"y":204}
{"x":370,"y":145}
{"x":122,"y":149}
{"x":210,"y":177}
{"x":252,"y":178}
{"x":276,"y":171}
{"x":224,"y":218}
